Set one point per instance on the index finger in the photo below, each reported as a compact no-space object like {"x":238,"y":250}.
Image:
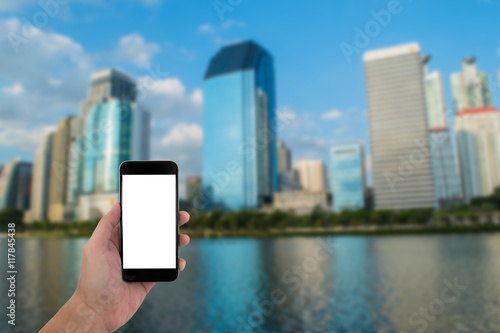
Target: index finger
{"x":183,"y":217}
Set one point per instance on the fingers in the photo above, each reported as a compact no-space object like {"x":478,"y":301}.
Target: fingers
{"x":182,"y":264}
{"x":104,"y":229}
{"x":183,"y":240}
{"x":183,"y":217}
{"x":115,"y":237}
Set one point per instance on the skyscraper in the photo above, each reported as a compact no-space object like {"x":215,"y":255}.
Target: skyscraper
{"x":15,"y":185}
{"x":434,"y":96}
{"x":41,"y":180}
{"x":107,"y":146}
{"x":287,"y":178}
{"x":284,"y":158}
{"x":401,"y":167}
{"x":447,"y":181}
{"x":61,"y":168}
{"x":447,"y":184}
{"x":107,"y":84}
{"x":347,"y":177}
{"x":240,"y":167}
{"x":470,"y":88}
{"x":194,"y":191}
{"x":478,"y":143}
{"x":311,"y":175}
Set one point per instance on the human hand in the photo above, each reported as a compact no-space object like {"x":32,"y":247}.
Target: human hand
{"x":103,"y":302}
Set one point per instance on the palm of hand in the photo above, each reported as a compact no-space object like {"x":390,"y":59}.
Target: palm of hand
{"x":101,"y":287}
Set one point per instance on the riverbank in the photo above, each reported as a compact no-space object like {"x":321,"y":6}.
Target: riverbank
{"x":290,"y":232}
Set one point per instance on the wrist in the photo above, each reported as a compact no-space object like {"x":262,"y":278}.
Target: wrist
{"x":75,"y":316}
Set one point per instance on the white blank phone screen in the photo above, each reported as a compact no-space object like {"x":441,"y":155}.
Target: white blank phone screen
{"x":149,"y":222}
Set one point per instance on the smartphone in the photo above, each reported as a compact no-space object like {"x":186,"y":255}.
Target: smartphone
{"x":149,"y":224}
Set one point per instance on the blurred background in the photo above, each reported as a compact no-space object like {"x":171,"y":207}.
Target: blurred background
{"x":340,"y":161}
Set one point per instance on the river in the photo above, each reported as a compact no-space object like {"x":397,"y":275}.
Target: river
{"x":399,"y":283}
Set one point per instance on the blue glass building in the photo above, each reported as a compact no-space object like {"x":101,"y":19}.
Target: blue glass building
{"x":447,"y":183}
{"x":15,"y":185}
{"x":240,"y":169}
{"x":116,"y":131}
{"x":347,"y":177}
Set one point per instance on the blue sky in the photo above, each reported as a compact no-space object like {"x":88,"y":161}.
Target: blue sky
{"x":48,"y":76}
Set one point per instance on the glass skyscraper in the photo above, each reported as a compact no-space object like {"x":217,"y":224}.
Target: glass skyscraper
{"x":447,"y":183}
{"x":114,"y":133}
{"x":15,"y":184}
{"x":114,"y":128}
{"x":347,"y":177}
{"x":240,"y":169}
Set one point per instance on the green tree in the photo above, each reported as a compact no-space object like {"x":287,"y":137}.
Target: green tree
{"x":11,"y":215}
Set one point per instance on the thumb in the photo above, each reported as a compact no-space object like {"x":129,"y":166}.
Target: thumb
{"x":105,"y":227}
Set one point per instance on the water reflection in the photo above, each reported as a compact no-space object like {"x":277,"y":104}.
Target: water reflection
{"x":367,"y":284}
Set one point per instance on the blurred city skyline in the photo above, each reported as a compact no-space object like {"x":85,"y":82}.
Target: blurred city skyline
{"x":49,"y":75}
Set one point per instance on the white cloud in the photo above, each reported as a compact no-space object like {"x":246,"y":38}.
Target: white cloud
{"x":204,"y":28}
{"x":289,"y":119}
{"x":135,"y":49}
{"x":168,"y":99}
{"x":215,"y":32}
{"x":22,"y":138}
{"x":48,"y":75}
{"x":183,"y":143}
{"x":176,"y":113}
{"x":15,"y":89}
{"x":331,"y":115}
{"x":184,"y":135}
{"x":48,"y":79}
{"x":197,"y":96}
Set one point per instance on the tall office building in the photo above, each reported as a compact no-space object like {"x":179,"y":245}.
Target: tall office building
{"x":15,"y":185}
{"x":284,"y":158}
{"x":434,"y":96}
{"x":107,"y":84}
{"x":447,"y":183}
{"x":478,"y":143}
{"x":287,"y":178}
{"x":401,"y":167}
{"x":194,"y":191}
{"x":311,"y":175}
{"x":113,"y":128}
{"x":470,"y":88}
{"x":61,"y":168}
{"x":347,"y":177}
{"x":40,"y":182}
{"x":240,"y":167}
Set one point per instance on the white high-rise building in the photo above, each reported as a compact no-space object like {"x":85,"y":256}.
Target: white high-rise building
{"x":478,"y":143}
{"x":401,"y":165}
{"x":470,"y":88}
{"x":311,"y":175}
{"x":40,"y":181}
